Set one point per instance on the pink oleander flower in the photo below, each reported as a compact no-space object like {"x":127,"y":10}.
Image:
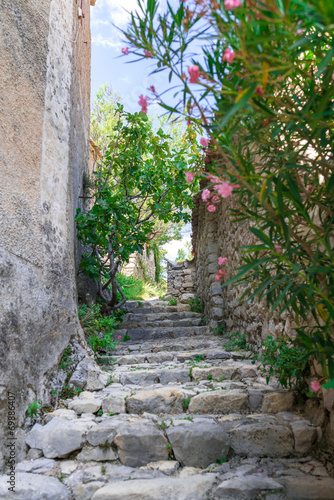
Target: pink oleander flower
{"x":125,"y":50}
{"x":259,"y":90}
{"x":143,"y":103}
{"x":190,"y":176}
{"x":310,"y":189}
{"x":228,"y":56}
{"x":232,"y":4}
{"x":152,"y":89}
{"x":225,"y":189}
{"x":204,"y":142}
{"x":300,"y":31}
{"x":215,"y":199}
{"x":222,"y":272}
{"x":222,"y":260}
{"x":218,"y":277}
{"x":119,"y":336}
{"x":194,"y":73}
{"x":212,"y":208}
{"x":315,"y":386}
{"x":206,"y":195}
{"x":148,"y":53}
{"x":278,"y":247}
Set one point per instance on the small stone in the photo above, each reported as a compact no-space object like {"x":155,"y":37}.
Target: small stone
{"x":168,"y":467}
{"x":86,"y":491}
{"x":190,"y":471}
{"x":68,"y":466}
{"x":39,"y":466}
{"x":249,"y":487}
{"x":113,"y":404}
{"x":60,"y":413}
{"x":33,"y":453}
{"x":96,"y":454}
{"x":85,"y":405}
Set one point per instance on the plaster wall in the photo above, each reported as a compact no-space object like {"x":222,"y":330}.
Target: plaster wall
{"x":44,"y":129}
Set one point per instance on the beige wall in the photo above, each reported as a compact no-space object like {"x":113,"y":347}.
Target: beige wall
{"x":44,"y":130}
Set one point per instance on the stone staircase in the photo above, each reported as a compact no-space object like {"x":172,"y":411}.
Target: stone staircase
{"x":180,"y":418}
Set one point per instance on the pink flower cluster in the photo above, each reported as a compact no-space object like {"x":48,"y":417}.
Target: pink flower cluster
{"x":204,"y":142}
{"x":148,"y":53}
{"x":228,"y":56}
{"x":278,"y":247}
{"x":189,"y":176}
{"x":125,"y":50}
{"x":224,"y":190}
{"x":143,"y":103}
{"x":232,"y":4}
{"x":194,"y":73}
{"x":315,"y":386}
{"x":221,"y":261}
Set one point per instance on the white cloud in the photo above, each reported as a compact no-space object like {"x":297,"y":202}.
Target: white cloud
{"x":111,"y":41}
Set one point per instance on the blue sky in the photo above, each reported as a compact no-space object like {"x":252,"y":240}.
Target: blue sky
{"x":128,"y":80}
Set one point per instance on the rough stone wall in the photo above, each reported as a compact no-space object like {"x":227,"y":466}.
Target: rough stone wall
{"x":180,"y":281}
{"x":215,"y":235}
{"x":44,"y":127}
{"x":141,"y":266}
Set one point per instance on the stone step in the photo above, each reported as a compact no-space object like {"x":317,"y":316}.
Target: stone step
{"x":298,"y":478}
{"x":157,"y":333}
{"x":192,"y":440}
{"x":141,"y":323}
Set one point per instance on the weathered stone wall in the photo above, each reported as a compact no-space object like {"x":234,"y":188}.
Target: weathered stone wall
{"x":44,"y":128}
{"x":215,"y":235}
{"x":141,"y":266}
{"x":180,"y":281}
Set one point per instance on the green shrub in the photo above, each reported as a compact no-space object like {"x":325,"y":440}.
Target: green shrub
{"x":288,"y":362}
{"x":68,"y":392}
{"x":185,"y":403}
{"x":235,"y":341}
{"x":33,"y":408}
{"x":196,"y":305}
{"x":220,"y":330}
{"x":98,"y":329}
{"x":173,"y":302}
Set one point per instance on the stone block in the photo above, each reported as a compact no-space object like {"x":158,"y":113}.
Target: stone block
{"x":250,"y":487}
{"x":113,"y":404}
{"x":139,"y":377}
{"x":275,"y":402}
{"x":305,"y":435}
{"x":81,"y":406}
{"x":219,"y":401}
{"x":96,"y":454}
{"x":59,"y":437}
{"x":141,"y":443}
{"x":262,"y":439}
{"x":162,"y":400}
{"x":34,"y":487}
{"x":198,"y":444}
{"x":195,"y":487}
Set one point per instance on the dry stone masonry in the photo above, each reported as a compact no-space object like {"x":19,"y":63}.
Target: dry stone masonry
{"x":180,"y":281}
{"x":176,"y":417}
